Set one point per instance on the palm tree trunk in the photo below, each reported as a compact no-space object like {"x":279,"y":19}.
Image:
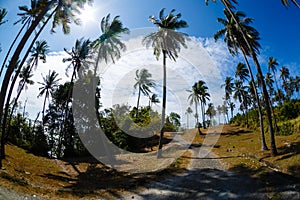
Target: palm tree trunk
{"x":10,"y":70}
{"x":44,"y":106}
{"x":203,"y":114}
{"x":268,"y":106}
{"x":11,"y":46}
{"x":261,"y":120}
{"x":163,"y":113}
{"x":138,"y":102}
{"x":265,"y":92}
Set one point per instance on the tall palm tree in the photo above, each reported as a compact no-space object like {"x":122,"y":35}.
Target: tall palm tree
{"x":62,"y":12}
{"x":228,"y":86}
{"x":38,"y":52}
{"x":194,"y":98}
{"x":232,"y":107}
{"x":166,"y":41}
{"x":219,"y":110}
{"x":204,"y":97}
{"x":284,"y":74}
{"x":211,"y":112}
{"x":240,"y":94}
{"x":107,"y":47}
{"x":269,"y":82}
{"x":239,"y":35}
{"x":28,"y":15}
{"x":188,"y":112}
{"x":144,"y":83}
{"x":272,"y":67}
{"x":49,"y":84}
{"x":297,"y":84}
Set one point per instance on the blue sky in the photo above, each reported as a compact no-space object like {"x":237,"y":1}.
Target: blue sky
{"x":278,"y":26}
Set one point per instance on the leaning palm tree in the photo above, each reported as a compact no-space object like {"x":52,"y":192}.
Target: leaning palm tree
{"x":108,"y":45}
{"x":28,"y":15}
{"x":62,"y":12}
{"x":144,"y":83}
{"x":166,"y":42}
{"x":239,"y":35}
{"x":49,"y":84}
{"x":38,"y":52}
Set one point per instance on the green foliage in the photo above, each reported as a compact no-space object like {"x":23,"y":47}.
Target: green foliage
{"x":286,"y":129}
{"x":289,"y":110}
{"x":172,"y":122}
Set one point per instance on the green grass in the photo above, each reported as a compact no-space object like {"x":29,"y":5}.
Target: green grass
{"x":239,"y":147}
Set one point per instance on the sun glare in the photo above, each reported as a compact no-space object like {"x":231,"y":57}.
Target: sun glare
{"x":87,"y":14}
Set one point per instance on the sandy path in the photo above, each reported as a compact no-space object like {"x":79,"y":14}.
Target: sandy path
{"x":207,"y":178}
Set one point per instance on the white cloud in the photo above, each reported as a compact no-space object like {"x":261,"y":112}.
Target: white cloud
{"x":202,"y":60}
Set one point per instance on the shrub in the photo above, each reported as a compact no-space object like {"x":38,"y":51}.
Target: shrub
{"x":286,"y":129}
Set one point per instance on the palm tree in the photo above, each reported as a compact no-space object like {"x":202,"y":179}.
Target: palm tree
{"x":28,"y":15}
{"x":49,"y":84}
{"x":204,"y":97}
{"x":272,"y":66}
{"x":108,"y":46}
{"x":230,"y":3}
{"x":240,"y":94}
{"x":240,"y":35}
{"x":63,"y":13}
{"x":153,"y":99}
{"x":37,"y":53}
{"x":211,"y":112}
{"x":287,"y":2}
{"x":297,"y":84}
{"x":194,"y":98}
{"x":25,"y":80}
{"x":3,"y":13}
{"x":232,"y":107}
{"x":143,"y":84}
{"x":188,"y":112}
{"x":269,"y":82}
{"x":79,"y":56}
{"x":242,"y":72}
{"x":228,"y":88}
{"x":219,"y":109}
{"x":284,"y":74}
{"x":166,"y":41}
